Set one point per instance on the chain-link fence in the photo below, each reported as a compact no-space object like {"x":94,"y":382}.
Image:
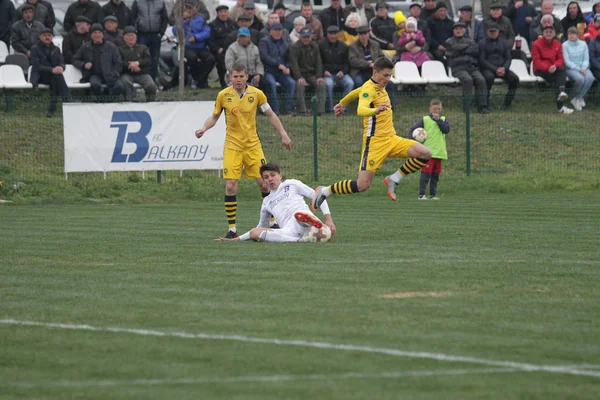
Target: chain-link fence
{"x":531,"y":138}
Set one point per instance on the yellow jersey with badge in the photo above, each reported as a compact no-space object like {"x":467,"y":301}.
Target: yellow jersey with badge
{"x":240,"y":116}
{"x":370,"y":95}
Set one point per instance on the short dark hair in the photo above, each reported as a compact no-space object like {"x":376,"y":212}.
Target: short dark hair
{"x":383,"y":63}
{"x":306,"y":4}
{"x":435,"y":102}
{"x":239,"y":68}
{"x":269,"y":167}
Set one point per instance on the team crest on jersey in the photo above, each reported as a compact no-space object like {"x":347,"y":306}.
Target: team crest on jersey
{"x":365,"y":95}
{"x":225,"y":171}
{"x":230,"y":100}
{"x":251,"y":99}
{"x":371,"y":163}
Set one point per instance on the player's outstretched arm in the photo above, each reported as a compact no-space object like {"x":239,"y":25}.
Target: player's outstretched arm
{"x":276,"y":122}
{"x":350,"y":97}
{"x":209,"y":123}
{"x":330,"y":224}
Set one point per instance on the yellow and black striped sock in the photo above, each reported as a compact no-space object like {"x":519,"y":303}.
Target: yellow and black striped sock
{"x":412,"y":165}
{"x":231,"y":210}
{"x":344,"y":187}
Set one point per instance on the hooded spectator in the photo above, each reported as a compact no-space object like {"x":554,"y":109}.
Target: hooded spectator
{"x":412,"y":42}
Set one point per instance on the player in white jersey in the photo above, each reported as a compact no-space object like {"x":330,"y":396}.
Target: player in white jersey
{"x":286,"y":203}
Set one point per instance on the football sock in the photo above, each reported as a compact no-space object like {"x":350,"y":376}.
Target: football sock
{"x":231,"y":211}
{"x":396,"y":176}
{"x":276,"y":236}
{"x":412,"y":165}
{"x":344,"y":187}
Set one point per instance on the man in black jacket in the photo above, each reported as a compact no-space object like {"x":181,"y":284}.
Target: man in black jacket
{"x":26,"y":32}
{"x":7,"y":15}
{"x":441,"y":29}
{"x":243,"y":21}
{"x":494,"y":61}
{"x":336,"y":67}
{"x":75,"y":39}
{"x":47,"y":67}
{"x":100,"y":63}
{"x":88,"y":8}
{"x":333,"y":16}
{"x":220,"y":28}
{"x":463,"y":58}
{"x":112,"y":33}
{"x":136,"y":65}
{"x":119,"y":10}
{"x":383,"y":27}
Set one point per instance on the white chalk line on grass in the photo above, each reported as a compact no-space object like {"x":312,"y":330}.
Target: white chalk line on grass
{"x":258,"y":378}
{"x":319,"y":345}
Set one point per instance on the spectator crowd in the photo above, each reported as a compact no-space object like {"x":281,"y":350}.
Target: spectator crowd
{"x":117,"y":48}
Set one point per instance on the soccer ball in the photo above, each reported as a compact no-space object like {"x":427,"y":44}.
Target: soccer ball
{"x":419,"y":135}
{"x":317,"y":235}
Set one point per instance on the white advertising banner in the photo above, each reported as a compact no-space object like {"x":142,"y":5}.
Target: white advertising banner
{"x":141,"y":137}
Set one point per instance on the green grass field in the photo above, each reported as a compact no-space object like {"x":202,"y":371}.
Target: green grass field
{"x":493,"y":296}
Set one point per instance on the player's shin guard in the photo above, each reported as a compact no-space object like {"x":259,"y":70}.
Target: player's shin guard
{"x":412,"y":165}
{"x":231,"y":210}
{"x":344,"y":187}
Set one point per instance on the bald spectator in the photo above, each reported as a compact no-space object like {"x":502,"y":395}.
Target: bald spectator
{"x":314,"y":24}
{"x":440,"y":28}
{"x":246,"y":53}
{"x":119,"y":10}
{"x":220,"y":28}
{"x":75,"y":39}
{"x":255,"y":23}
{"x":333,"y":16}
{"x":383,"y":27}
{"x":112,"y":33}
{"x":40,"y":13}
{"x":7,"y":14}
{"x":364,"y":10}
{"x":136,"y":65}
{"x":26,"y":32}
{"x":536,"y":29}
{"x":243,"y":21}
{"x":88,"y":8}
{"x":307,"y":70}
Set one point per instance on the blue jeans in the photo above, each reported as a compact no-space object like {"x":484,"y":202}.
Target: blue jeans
{"x":289,"y":86}
{"x":346,"y":83}
{"x":581,"y":84}
{"x":152,"y":41}
{"x":390,"y":88}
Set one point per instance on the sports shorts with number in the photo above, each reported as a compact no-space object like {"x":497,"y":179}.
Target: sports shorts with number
{"x":243,"y":149}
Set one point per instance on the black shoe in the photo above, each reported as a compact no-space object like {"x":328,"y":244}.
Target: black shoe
{"x":489,"y":108}
{"x":275,"y":226}
{"x":483,"y":110}
{"x":231,"y":235}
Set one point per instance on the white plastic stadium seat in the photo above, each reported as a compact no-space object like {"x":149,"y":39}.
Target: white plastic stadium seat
{"x":73,"y":76}
{"x":406,"y":72}
{"x":3,"y":52}
{"x":435,"y":72}
{"x":531,"y":74}
{"x":40,"y":85}
{"x":11,"y":77}
{"x":520,"y":69}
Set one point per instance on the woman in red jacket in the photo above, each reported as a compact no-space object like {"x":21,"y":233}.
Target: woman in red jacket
{"x":548,"y":62}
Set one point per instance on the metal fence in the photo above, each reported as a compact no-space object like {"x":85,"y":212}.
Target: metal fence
{"x":532,"y":138}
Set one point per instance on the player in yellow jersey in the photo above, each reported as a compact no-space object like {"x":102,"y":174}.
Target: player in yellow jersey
{"x":379,"y":140}
{"x":242,"y":145}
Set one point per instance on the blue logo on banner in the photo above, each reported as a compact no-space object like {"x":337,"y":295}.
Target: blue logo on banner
{"x":121,"y":120}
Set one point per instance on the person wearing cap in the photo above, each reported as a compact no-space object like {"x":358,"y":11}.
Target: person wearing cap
{"x":87,"y":8}
{"x":275,"y":54}
{"x":307,"y":70}
{"x":361,"y":57}
{"x":198,"y":57}
{"x":273,"y":18}
{"x":466,"y":16}
{"x":336,"y":67}
{"x":333,"y":16}
{"x":306,"y":11}
{"x":594,"y":48}
{"x":26,"y":32}
{"x":7,"y":14}
{"x":494,"y":62}
{"x":463,"y":58}
{"x":504,"y":25}
{"x":100,"y":63}
{"x":220,"y":28}
{"x":549,"y":63}
{"x":246,"y":53}
{"x":112,"y":33}
{"x":429,"y":9}
{"x":119,"y":10}
{"x":250,"y":9}
{"x":577,"y":63}
{"x":150,"y":19}
{"x":73,"y":41}
{"x":592,"y":30}
{"x":365,"y":11}
{"x":521,"y":14}
{"x":414,"y":11}
{"x":280,"y":9}
{"x":47,"y":67}
{"x":40,"y":13}
{"x":383,"y":27}
{"x":546,"y":13}
{"x":136,"y":65}
{"x":238,"y":9}
{"x":441,"y":29}
{"x":243,"y":21}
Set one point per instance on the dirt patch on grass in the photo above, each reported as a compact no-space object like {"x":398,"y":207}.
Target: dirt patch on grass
{"x":408,"y":295}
